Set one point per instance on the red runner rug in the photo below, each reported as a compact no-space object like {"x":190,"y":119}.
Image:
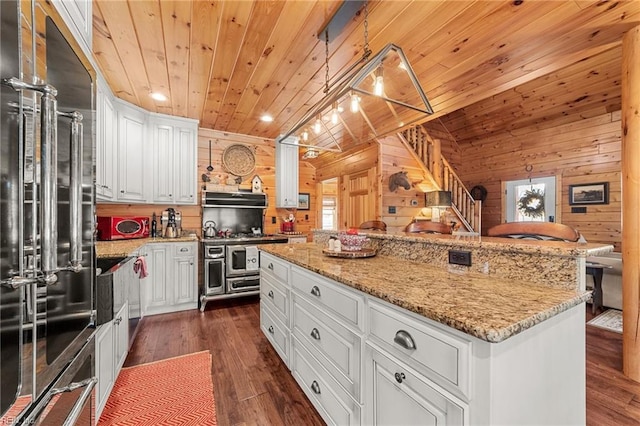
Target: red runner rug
{"x":174,"y":391}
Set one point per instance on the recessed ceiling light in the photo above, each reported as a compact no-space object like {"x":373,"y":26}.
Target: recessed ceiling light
{"x":266,"y":118}
{"x":158,"y":96}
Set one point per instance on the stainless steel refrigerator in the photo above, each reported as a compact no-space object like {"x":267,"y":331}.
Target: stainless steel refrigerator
{"x":46,"y":220}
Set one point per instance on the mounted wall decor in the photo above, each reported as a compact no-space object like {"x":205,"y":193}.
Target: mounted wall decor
{"x":399,"y":179}
{"x":479,"y":192}
{"x":303,"y":201}
{"x":589,"y":193}
{"x":239,"y":159}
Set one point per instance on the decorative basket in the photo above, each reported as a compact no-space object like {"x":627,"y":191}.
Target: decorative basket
{"x":239,"y":160}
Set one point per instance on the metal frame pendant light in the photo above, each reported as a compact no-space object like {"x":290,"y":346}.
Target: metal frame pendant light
{"x":374,"y":97}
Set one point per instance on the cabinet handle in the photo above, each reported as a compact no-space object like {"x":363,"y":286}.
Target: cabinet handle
{"x":270,"y":294}
{"x":405,"y":340}
{"x":122,"y":191}
{"x":315,"y":334}
{"x":315,"y":387}
{"x":270,"y":329}
{"x":270,"y":266}
{"x":170,"y":195}
{"x":183,"y":249}
{"x":400,"y":377}
{"x":315,"y":291}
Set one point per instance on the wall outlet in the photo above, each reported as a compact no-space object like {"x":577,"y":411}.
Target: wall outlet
{"x":460,"y":257}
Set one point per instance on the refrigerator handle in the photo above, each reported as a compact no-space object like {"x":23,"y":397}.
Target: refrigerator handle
{"x":48,"y":176}
{"x":48,"y":184}
{"x":75,"y":191}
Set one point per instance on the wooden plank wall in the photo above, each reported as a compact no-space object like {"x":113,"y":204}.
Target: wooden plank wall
{"x":575,"y":149}
{"x":265,"y":168}
{"x":394,"y":157}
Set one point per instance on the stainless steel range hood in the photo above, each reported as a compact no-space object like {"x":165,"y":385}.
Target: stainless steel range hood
{"x":247,"y":200}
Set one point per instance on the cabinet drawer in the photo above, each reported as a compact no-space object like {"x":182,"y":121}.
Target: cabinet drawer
{"x":272,"y":266}
{"x":276,"y":333}
{"x":332,"y":402}
{"x":276,"y":296}
{"x":442,"y":357}
{"x":180,"y":250}
{"x":399,"y":395}
{"x":336,"y":299}
{"x":335,"y":346}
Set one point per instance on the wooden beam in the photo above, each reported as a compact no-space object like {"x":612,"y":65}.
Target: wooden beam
{"x":631,"y":197}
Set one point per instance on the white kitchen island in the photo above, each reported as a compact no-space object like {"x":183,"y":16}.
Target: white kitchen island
{"x":385,"y":340}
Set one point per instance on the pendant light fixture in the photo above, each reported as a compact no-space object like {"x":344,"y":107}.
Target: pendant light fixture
{"x":376,"y":96}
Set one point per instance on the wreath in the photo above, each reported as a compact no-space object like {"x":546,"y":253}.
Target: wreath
{"x":532,"y":203}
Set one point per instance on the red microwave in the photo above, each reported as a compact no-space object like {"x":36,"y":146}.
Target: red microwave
{"x":122,"y":227}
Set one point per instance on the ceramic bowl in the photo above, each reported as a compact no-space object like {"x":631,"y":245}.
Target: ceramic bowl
{"x":352,"y":242}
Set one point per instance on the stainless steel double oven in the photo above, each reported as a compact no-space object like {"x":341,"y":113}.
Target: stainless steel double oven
{"x":231,"y":262}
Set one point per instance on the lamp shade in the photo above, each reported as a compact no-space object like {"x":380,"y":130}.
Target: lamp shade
{"x":437,"y":199}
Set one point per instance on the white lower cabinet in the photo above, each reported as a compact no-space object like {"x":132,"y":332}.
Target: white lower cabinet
{"x":397,"y":395}
{"x":277,"y":333}
{"x":172,"y":282}
{"x":104,"y":365}
{"x":112,"y":344}
{"x":334,"y":404}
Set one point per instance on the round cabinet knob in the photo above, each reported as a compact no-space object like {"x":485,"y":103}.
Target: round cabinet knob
{"x":270,"y":294}
{"x":400,"y":377}
{"x":270,"y":329}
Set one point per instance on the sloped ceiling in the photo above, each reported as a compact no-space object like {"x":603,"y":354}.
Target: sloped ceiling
{"x":227,"y":63}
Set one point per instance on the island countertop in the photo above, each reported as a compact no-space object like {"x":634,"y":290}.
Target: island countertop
{"x":487,"y":307}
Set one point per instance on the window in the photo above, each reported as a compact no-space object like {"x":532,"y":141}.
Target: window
{"x":329,"y":212}
{"x":531,"y":200}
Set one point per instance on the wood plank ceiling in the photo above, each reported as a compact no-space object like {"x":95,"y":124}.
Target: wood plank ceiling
{"x":227,"y":63}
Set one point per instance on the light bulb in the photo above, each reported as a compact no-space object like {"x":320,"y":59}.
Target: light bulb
{"x":305,"y":135}
{"x":317,"y":126}
{"x":355,"y":103}
{"x":334,"y":114}
{"x":378,"y":86}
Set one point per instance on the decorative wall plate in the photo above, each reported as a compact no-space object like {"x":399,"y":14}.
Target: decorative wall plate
{"x":239,"y":160}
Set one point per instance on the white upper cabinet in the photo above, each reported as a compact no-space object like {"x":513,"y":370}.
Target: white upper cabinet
{"x":131,"y":153}
{"x":78,"y":15}
{"x":143,"y":157}
{"x":106,"y":143}
{"x":287,"y":173}
{"x":174,"y":146}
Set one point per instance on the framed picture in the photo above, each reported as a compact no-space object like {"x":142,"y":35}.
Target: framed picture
{"x":303,"y":201}
{"x":589,"y":193}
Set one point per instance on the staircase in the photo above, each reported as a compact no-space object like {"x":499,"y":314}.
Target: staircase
{"x":426,"y":151}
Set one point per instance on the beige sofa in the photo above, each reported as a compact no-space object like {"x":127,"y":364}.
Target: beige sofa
{"x":611,"y":279}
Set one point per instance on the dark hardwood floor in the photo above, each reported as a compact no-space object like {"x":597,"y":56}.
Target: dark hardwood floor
{"x":253,"y":387}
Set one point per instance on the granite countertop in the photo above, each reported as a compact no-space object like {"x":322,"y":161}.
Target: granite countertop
{"x":480,"y":305}
{"x":124,"y":248}
{"x":558,"y":248}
